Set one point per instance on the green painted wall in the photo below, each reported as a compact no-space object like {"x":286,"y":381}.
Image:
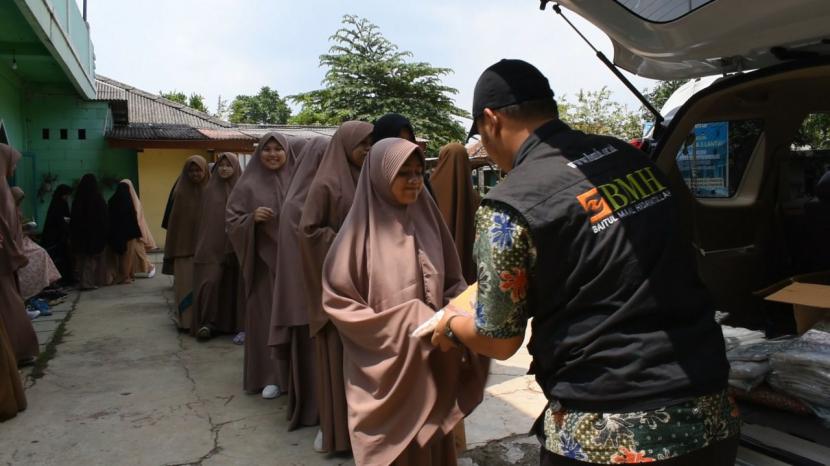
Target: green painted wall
{"x":72,"y":157}
{"x":11,"y":110}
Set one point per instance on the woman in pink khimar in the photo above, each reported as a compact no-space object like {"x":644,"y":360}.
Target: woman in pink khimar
{"x":391,"y":267}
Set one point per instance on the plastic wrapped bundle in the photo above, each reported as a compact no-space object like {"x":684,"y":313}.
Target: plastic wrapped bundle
{"x":803,"y":370}
{"x":749,"y":359}
{"x":738,"y":336}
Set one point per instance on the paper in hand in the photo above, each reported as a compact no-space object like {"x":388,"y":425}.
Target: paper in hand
{"x":465,"y":302}
{"x":429,"y":326}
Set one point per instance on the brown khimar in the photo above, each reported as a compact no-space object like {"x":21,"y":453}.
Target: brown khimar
{"x":452,"y":186}
{"x":327,"y":204}
{"x":182,"y":231}
{"x":215,"y":268}
{"x":391,"y":268}
{"x":184,"y":217}
{"x":17,"y":335}
{"x":289,"y":314}
{"x":329,"y":200}
{"x":12,"y":256}
{"x":255,"y":245}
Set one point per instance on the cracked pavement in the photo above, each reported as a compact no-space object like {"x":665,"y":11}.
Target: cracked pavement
{"x":125,"y":388}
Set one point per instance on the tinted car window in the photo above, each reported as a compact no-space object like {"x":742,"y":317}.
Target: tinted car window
{"x":662,"y":11}
{"x":715,"y":156}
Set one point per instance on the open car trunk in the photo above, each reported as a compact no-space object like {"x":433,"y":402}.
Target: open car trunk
{"x":750,"y":229}
{"x":680,"y":39}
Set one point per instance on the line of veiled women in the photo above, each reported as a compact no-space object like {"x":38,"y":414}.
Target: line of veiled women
{"x":328,"y":253}
{"x":93,"y":243}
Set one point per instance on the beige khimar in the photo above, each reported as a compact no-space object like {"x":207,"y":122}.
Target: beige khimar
{"x":329,"y":200}
{"x":391,"y":268}
{"x":289,"y":315}
{"x":146,"y":236}
{"x":452,"y":185}
{"x":215,"y":268}
{"x":255,"y":245}
{"x":180,"y":244}
{"x":141,"y":263}
{"x":21,"y":335}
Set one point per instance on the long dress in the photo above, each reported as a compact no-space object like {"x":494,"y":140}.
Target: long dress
{"x":12,"y":398}
{"x":255,"y":245}
{"x":391,"y":267}
{"x":215,"y":267}
{"x":327,"y":203}
{"x":55,"y":235}
{"x":124,"y":232}
{"x":39,"y":273}
{"x":138,"y":249}
{"x":290,"y":334}
{"x":21,"y":335}
{"x":88,"y":233}
{"x":180,"y":245}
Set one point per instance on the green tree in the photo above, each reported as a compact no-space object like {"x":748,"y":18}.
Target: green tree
{"x":659,"y":94}
{"x":195,"y":101}
{"x":175,"y":96}
{"x":267,"y":107}
{"x":814,"y":132}
{"x":368,"y":76}
{"x":594,"y":112}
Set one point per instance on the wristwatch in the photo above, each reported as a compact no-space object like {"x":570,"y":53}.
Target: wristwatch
{"x":448,"y":330}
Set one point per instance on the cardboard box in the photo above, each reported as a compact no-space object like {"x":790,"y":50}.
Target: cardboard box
{"x":809,"y":295}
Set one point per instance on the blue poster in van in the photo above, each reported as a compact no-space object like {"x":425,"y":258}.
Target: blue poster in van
{"x":704,"y":160}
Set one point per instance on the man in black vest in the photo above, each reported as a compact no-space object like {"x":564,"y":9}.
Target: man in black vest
{"x":583,"y":237}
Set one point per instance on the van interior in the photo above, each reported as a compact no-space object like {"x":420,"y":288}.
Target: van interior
{"x":760,"y":228}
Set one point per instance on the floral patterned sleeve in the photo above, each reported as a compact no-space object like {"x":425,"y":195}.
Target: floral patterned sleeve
{"x":505,"y":256}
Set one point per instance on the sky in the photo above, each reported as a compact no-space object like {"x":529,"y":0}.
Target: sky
{"x":226,"y":48}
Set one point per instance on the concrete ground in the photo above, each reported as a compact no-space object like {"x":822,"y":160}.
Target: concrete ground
{"x":125,"y":388}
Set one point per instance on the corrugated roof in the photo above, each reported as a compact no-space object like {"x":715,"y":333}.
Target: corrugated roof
{"x":306,"y":132}
{"x":144,"y":131}
{"x":226,"y":135}
{"x":148,"y":108}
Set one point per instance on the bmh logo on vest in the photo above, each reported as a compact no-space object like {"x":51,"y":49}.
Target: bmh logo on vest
{"x":593,"y":203}
{"x":621,"y":197}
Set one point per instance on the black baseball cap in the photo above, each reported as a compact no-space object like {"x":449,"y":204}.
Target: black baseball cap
{"x":508,"y":82}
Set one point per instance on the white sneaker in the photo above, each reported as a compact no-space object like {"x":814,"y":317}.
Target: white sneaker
{"x":33,"y":314}
{"x":150,"y":274}
{"x":270,"y":392}
{"x":318,"y":442}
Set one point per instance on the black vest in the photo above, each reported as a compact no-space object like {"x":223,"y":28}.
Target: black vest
{"x":621,"y":320}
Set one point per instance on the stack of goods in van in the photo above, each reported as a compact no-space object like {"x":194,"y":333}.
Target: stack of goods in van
{"x":749,"y":355}
{"x":802,"y":369}
{"x":739,"y":336}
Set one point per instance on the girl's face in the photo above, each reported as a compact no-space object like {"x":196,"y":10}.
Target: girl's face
{"x":195,"y":173}
{"x":409,"y":182}
{"x":224,"y":169}
{"x":273,"y":155}
{"x":358,"y":154}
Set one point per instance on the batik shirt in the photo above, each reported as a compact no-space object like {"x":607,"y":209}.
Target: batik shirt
{"x":505,"y":255}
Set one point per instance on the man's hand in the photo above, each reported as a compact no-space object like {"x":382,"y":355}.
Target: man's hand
{"x":441,"y":340}
{"x":464,"y":329}
{"x":263,"y":214}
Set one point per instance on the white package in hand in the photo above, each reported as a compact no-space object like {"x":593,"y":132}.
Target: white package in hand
{"x":428,"y":327}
